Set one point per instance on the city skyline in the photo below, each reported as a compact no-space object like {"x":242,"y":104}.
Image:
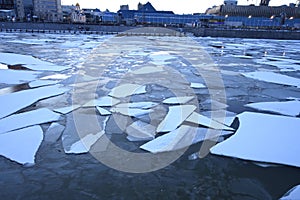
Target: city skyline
{"x":178,"y":6}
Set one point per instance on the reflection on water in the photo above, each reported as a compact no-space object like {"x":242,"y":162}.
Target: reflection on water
{"x":15,"y":88}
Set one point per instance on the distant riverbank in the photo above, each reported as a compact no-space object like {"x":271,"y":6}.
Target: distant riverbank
{"x":100,"y":29}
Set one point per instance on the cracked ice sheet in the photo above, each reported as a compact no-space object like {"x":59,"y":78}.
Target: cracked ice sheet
{"x":180,"y":138}
{"x":273,"y":78}
{"x":292,"y":194}
{"x":29,"y":62}
{"x":264,"y":138}
{"x":126,"y":90}
{"x":140,"y":131}
{"x":10,"y":103}
{"x":174,"y":118}
{"x":21,"y":145}
{"x":196,"y":118}
{"x":178,"y":100}
{"x":8,"y":76}
{"x":290,"y":108}
{"x":21,"y":120}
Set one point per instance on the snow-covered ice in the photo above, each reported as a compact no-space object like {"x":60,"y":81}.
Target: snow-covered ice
{"x":264,"y":138}
{"x":290,"y":108}
{"x":10,"y":103}
{"x":175,"y":116}
{"x":25,"y":119}
{"x":21,"y":145}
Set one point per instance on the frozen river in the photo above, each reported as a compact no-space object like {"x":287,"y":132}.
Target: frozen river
{"x":131,"y":117}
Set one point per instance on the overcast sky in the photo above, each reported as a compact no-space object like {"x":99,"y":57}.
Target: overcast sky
{"x":178,"y":6}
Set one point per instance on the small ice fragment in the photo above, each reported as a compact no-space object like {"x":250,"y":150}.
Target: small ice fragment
{"x":66,"y":110}
{"x":102,"y":101}
{"x":127,"y":90}
{"x":133,"y":112}
{"x":175,"y":116}
{"x":292,"y":194}
{"x":54,"y":132}
{"x":21,"y":120}
{"x":178,"y":100}
{"x":196,"y":118}
{"x":21,"y":145}
{"x":290,"y":108}
{"x":197,"y":85}
{"x":103,"y":111}
{"x":194,"y":156}
{"x":56,"y":77}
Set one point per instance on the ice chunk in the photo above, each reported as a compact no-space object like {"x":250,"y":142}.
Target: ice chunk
{"x":218,"y":115}
{"x":259,"y":137}
{"x":215,"y":105}
{"x":21,"y":120}
{"x":11,"y":103}
{"x":53,"y":132}
{"x":56,"y":77}
{"x":178,"y":100}
{"x":103,"y":111}
{"x":8,"y":76}
{"x":290,"y":108}
{"x":197,"y":85}
{"x":196,"y":118}
{"x":127,"y":90}
{"x":21,"y":145}
{"x":140,"y":131}
{"x":273,"y":78}
{"x":66,"y":110}
{"x":29,"y":62}
{"x":39,"y":83}
{"x":161,"y":57}
{"x":180,"y":138}
{"x":148,"y":70}
{"x":292,"y":194}
{"x":175,"y":116}
{"x":141,"y":105}
{"x":85,"y":144}
{"x":102,"y":101}
{"x":133,"y":112}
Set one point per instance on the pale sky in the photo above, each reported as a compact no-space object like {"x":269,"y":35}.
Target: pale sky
{"x":178,"y":6}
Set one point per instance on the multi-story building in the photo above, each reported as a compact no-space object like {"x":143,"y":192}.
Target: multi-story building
{"x":48,"y":10}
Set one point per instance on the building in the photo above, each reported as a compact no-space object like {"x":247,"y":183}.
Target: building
{"x":77,"y":15}
{"x":47,"y":10}
{"x":7,"y":4}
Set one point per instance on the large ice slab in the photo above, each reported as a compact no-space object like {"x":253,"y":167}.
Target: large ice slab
{"x":8,"y":76}
{"x":21,"y":145}
{"x":29,"y":62}
{"x":290,"y":108}
{"x":176,"y":115}
{"x":292,"y":194}
{"x":264,"y":138}
{"x":11,"y":103}
{"x":178,"y":100}
{"x":273,"y":78}
{"x":180,"y":138}
{"x":196,"y":118}
{"x":21,"y":120}
{"x":127,"y":90}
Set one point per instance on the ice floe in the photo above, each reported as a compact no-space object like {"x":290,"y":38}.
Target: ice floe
{"x":102,"y":101}
{"x":273,"y":78}
{"x":39,"y":83}
{"x":141,"y":105}
{"x":196,"y":118}
{"x":180,"y":138}
{"x":292,"y":194}
{"x":264,"y":138}
{"x":8,"y":76}
{"x":178,"y":100}
{"x":54,"y":132}
{"x":11,"y":103}
{"x":29,"y":62}
{"x":103,"y":111}
{"x":21,"y":145}
{"x":175,"y":116}
{"x":66,"y":110}
{"x":290,"y":108}
{"x":25,"y":119}
{"x":147,"y":70}
{"x":140,"y":131}
{"x":197,"y":85}
{"x":127,"y":90}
